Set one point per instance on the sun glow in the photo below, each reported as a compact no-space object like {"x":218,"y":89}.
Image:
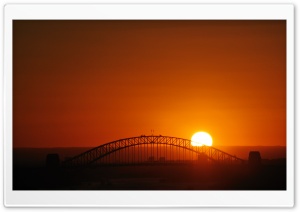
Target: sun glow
{"x":201,"y":139}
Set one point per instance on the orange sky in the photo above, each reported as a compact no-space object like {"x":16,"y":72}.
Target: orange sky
{"x":84,"y":83}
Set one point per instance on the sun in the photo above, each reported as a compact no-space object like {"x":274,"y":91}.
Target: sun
{"x":201,"y":139}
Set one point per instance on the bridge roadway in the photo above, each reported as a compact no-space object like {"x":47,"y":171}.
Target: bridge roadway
{"x":155,"y":149}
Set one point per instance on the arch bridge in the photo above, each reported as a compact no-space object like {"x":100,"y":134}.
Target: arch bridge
{"x":150,"y":150}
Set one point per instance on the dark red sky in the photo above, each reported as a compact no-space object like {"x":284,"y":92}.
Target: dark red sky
{"x":84,"y":83}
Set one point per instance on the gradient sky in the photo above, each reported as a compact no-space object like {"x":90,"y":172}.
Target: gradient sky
{"x":85,"y":83}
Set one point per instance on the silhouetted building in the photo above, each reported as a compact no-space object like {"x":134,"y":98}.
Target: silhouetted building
{"x":254,"y":158}
{"x":162,"y":159}
{"x":202,"y":158}
{"x":52,"y":161}
{"x":151,"y":159}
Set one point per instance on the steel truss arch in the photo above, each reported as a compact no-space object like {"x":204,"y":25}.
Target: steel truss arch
{"x":92,"y":155}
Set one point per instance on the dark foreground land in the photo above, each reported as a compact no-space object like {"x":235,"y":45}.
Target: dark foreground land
{"x":153,"y":177}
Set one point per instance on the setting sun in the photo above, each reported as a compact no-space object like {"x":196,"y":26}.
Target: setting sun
{"x":201,"y":139}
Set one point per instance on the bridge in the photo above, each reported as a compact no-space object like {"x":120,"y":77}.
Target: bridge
{"x":153,"y":149}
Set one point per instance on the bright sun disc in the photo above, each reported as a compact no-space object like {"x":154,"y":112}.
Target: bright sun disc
{"x":201,"y":139}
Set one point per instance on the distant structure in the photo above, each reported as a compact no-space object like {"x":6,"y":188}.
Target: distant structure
{"x":52,"y":161}
{"x":202,"y":157}
{"x":153,"y":149}
{"x":254,"y":158}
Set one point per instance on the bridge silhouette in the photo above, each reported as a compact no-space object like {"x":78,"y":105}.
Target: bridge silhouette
{"x":153,"y":149}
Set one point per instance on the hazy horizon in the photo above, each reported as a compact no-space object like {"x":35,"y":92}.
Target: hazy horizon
{"x":38,"y":155}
